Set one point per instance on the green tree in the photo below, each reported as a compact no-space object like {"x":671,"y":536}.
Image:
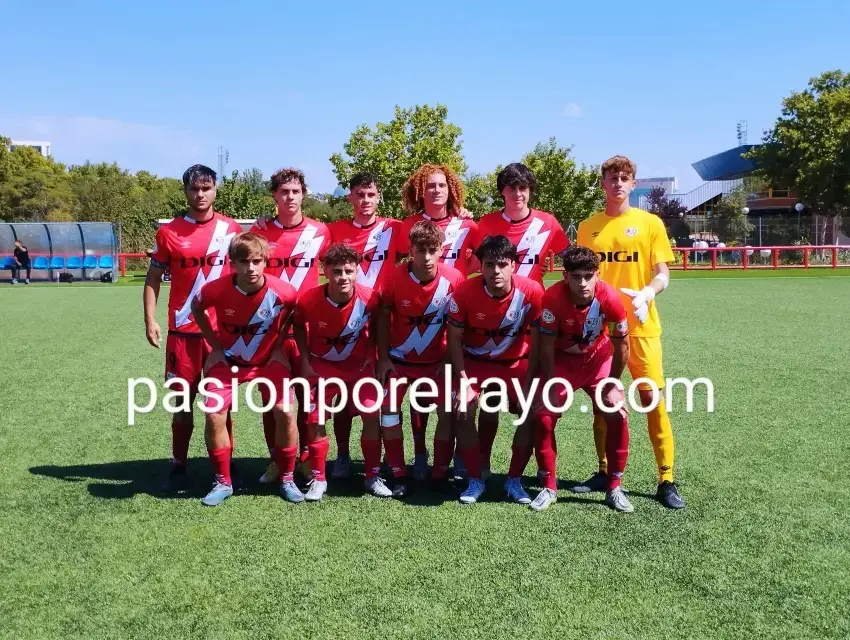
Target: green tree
{"x":569,"y":191}
{"x":395,"y":149}
{"x":32,"y":188}
{"x":728,"y":221}
{"x":481,"y":196}
{"x":244,"y":196}
{"x":808,"y":147}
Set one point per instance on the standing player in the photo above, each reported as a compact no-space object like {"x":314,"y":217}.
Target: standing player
{"x":574,"y":345}
{"x":535,"y":234}
{"x":412,"y":343}
{"x":252,"y":310}
{"x":435,"y":193}
{"x":335,"y":339}
{"x":634,"y":250}
{"x":193,"y":247}
{"x":296,"y":245}
{"x":489,"y":321}
{"x":377,"y":240}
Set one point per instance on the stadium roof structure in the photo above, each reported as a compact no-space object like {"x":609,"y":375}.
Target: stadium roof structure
{"x":727,"y":165}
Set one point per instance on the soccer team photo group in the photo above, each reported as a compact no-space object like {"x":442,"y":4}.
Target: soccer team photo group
{"x":360,"y":309}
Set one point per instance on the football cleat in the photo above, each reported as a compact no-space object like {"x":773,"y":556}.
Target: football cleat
{"x":668,"y":495}
{"x":513,"y":487}
{"x":342,"y":468}
{"x":316,"y":491}
{"x":597,"y":482}
{"x":220,"y":492}
{"x":618,"y":500}
{"x":271,"y":474}
{"x":420,"y":466}
{"x":177,"y":479}
{"x":545,"y":498}
{"x":400,"y":489}
{"x":378,"y":488}
{"x":290,"y":492}
{"x":473,"y":492}
{"x":459,"y":469}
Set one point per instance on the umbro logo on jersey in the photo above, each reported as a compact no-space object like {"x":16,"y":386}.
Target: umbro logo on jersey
{"x":322,"y":324}
{"x":405,"y":303}
{"x":229,"y":312}
{"x":184,"y":245}
{"x":594,"y":234}
{"x":570,"y":321}
{"x":631,"y":232}
{"x":480,"y":316}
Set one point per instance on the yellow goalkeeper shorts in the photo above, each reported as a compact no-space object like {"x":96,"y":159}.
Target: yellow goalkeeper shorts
{"x":645,"y":361}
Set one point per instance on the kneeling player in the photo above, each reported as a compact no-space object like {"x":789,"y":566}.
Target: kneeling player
{"x":488,"y":337}
{"x":251,"y":310}
{"x":412,"y":345}
{"x":574,"y":345}
{"x":337,"y":318}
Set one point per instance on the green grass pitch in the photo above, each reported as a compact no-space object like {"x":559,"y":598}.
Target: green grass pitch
{"x":90,"y":549}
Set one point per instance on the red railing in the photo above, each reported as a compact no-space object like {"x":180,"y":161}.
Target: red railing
{"x":827,"y":256}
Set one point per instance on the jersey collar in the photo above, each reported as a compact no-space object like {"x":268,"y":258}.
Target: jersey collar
{"x":508,"y":220}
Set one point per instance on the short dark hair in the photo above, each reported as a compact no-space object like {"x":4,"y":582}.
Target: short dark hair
{"x":496,"y":248}
{"x":341,"y":254}
{"x":198,"y":173}
{"x":579,"y":258}
{"x":425,"y":234}
{"x":363,"y":179}
{"x":288,"y":175}
{"x":516,"y":174}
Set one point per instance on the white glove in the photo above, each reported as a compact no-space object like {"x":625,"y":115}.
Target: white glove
{"x":640,"y":301}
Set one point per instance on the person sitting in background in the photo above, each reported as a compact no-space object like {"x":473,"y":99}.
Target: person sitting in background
{"x":22,"y":261}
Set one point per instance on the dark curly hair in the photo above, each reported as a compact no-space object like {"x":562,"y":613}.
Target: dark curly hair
{"x":579,"y":258}
{"x":516,"y":174}
{"x":339,"y":254}
{"x":288,"y":175}
{"x":413,"y":191}
{"x":496,"y":248}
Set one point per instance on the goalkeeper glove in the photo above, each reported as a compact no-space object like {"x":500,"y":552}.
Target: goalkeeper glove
{"x":640,"y":301}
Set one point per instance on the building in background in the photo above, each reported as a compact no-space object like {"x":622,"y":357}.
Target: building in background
{"x":643,"y":186}
{"x":42,"y":147}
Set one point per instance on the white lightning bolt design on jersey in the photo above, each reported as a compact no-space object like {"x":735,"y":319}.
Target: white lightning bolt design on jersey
{"x":418,"y":341}
{"x":453,"y":241}
{"x":265,"y":314}
{"x":516,"y":310}
{"x":219,"y":243}
{"x":308,"y":246}
{"x":357,"y":321}
{"x":379,"y":240}
{"x":532,"y":241}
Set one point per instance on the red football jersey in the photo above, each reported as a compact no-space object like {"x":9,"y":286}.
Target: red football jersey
{"x":458,"y":234}
{"x":295,"y":252}
{"x":534,"y":237}
{"x":418,"y":313}
{"x":195,"y":253}
{"x":378,"y":242}
{"x":338,"y":334}
{"x":496,"y":328}
{"x":249,"y":324}
{"x":582,"y":330}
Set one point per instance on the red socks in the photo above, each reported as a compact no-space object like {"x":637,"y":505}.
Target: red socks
{"x":342,"y":432}
{"x":419,"y":426}
{"x":181,"y":433}
{"x":443,"y":450}
{"x":616,"y":446}
{"x":472,"y":461}
{"x":371,"y":456}
{"x":395,"y":456}
{"x":488,"y":425}
{"x":544,"y":445}
{"x":519,"y":460}
{"x":318,"y":457}
{"x":220,"y":460}
{"x":285,"y":459}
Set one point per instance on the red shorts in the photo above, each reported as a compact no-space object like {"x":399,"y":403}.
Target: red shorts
{"x":185,"y":355}
{"x":412,"y":373}
{"x":274,"y":372}
{"x":582,"y":373}
{"x":481,"y":370}
{"x":369,"y":395}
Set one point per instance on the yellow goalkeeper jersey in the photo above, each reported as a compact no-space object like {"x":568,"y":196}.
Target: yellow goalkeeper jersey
{"x":628,"y":246}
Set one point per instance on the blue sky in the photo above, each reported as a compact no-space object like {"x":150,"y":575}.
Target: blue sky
{"x":159,"y":86}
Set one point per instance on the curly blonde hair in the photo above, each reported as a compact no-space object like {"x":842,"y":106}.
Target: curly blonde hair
{"x":413,"y":192}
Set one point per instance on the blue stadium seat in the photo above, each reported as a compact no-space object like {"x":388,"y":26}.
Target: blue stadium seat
{"x":57,"y":262}
{"x":7,"y":262}
{"x":90,"y":262}
{"x":74,"y":262}
{"x":40,"y":262}
{"x":105,"y":262}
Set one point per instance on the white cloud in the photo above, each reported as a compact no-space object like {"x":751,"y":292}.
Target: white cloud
{"x":572,"y":110}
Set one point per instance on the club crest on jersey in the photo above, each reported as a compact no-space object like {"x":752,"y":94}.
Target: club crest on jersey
{"x":592,"y":323}
{"x":453,"y":305}
{"x":322,"y":324}
{"x":263,"y":313}
{"x":631,"y":232}
{"x":355,"y":323}
{"x":548,"y":316}
{"x":511,"y":315}
{"x":623,"y":326}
